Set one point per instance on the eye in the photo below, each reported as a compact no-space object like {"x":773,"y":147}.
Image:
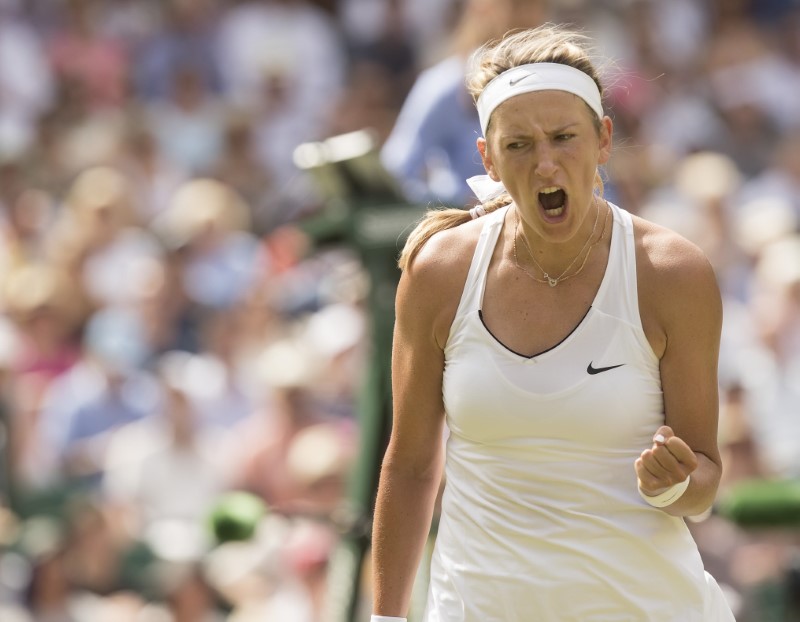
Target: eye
{"x":515,"y":146}
{"x":564,"y":137}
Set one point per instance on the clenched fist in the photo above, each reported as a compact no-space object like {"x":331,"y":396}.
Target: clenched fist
{"x":668,"y":462}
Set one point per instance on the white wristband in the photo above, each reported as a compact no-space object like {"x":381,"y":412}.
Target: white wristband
{"x":670,"y":495}
{"x":375,"y":618}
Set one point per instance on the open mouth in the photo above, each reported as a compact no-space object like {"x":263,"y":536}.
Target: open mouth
{"x":553,"y":201}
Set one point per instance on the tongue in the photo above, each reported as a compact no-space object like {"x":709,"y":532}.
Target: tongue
{"x":552,"y":200}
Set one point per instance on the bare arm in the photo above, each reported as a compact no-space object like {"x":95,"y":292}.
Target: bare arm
{"x":683,"y":302}
{"x":412,"y":466}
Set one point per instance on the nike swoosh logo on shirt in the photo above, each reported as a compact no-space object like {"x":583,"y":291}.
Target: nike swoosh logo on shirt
{"x":599,"y":370}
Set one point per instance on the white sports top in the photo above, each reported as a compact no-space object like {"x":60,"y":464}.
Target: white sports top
{"x":541,"y":519}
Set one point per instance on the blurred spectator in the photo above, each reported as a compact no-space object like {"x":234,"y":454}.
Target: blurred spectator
{"x":699,"y":202}
{"x":131,"y":22}
{"x":188,"y":121}
{"x":26,"y":80}
{"x":295,"y":450}
{"x":280,"y":574}
{"x":98,"y":236}
{"x":431,"y":149}
{"x":39,"y":300}
{"x":216,"y":381}
{"x":80,"y":53}
{"x":166,"y":472}
{"x":23,"y":233}
{"x":425,"y":23}
{"x":238,"y":166}
{"x":369,"y":102}
{"x":750,"y":88}
{"x":184,"y":44}
{"x":190,"y":598}
{"x":46,"y":164}
{"x":280,"y":58}
{"x":306,"y":555}
{"x":262,"y":442}
{"x":154,"y":178}
{"x":49,"y":595}
{"x":319,"y":459}
{"x":101,"y":560}
{"x":389,"y":45}
{"x":209,"y":223}
{"x":780,"y":181}
{"x":292,"y":37}
{"x":12,"y":182}
{"x":770,"y":370}
{"x":105,"y":390}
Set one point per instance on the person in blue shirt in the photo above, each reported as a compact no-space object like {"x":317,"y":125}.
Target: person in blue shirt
{"x":431,"y":149}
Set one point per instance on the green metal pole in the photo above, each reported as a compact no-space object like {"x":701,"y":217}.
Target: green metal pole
{"x":377,"y":233}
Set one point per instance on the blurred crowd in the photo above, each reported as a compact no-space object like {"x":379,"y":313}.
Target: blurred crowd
{"x":180,"y":362}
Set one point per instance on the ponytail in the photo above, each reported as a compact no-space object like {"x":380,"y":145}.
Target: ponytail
{"x":436,"y":220}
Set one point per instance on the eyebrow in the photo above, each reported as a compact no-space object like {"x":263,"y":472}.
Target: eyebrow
{"x":558,"y":130}
{"x":563,"y":128}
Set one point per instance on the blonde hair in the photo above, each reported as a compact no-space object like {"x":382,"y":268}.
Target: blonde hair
{"x":546,"y":44}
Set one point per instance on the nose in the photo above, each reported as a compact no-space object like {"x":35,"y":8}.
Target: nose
{"x":545,"y":161}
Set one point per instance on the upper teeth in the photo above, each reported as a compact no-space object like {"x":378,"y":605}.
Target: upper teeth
{"x":550,"y":190}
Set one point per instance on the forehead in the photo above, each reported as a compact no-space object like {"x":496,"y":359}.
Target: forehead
{"x":547,"y":109}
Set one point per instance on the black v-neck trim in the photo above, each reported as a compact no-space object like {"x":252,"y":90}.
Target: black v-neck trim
{"x":533,"y":356}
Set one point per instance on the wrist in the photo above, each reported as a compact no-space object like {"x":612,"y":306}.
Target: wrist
{"x":669,"y":496}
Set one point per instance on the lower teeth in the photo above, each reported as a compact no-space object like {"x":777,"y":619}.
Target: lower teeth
{"x":555,"y":211}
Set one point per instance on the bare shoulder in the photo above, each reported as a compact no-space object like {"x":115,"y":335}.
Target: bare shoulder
{"x":669,"y":258}
{"x":676,"y":282}
{"x":432,"y":284}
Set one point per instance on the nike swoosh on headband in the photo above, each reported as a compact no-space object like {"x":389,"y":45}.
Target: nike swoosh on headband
{"x":514,"y":81}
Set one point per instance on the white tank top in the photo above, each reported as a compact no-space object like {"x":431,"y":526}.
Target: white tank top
{"x":541,"y":519}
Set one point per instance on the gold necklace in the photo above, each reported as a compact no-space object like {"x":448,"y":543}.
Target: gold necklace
{"x":553,"y":281}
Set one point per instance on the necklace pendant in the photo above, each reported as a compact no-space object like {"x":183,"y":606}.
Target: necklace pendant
{"x":550,"y":280}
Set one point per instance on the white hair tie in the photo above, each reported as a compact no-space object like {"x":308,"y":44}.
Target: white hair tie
{"x":477,"y":212}
{"x":537,"y":77}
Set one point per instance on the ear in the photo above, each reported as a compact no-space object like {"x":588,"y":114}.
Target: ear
{"x":488,"y":164}
{"x":606,"y":140}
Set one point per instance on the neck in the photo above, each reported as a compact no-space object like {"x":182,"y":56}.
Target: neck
{"x":555,"y":257}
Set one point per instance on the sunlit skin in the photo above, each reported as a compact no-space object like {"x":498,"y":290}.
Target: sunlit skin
{"x":544,"y":139}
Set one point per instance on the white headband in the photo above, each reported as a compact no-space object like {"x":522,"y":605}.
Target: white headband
{"x":537,"y":77}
